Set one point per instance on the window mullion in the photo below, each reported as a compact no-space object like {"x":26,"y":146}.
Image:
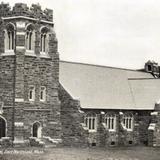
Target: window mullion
{"x":12,"y":39}
{"x":30,"y":40}
{"x":9,"y":40}
{"x":43,"y":43}
{"x":112,"y":123}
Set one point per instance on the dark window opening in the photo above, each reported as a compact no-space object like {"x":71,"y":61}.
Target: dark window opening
{"x":90,"y":123}
{"x":41,"y":94}
{"x":93,"y":144}
{"x":30,"y":40}
{"x":41,"y":41}
{"x":30,"y":94}
{"x":145,"y":143}
{"x":35,"y":129}
{"x":93,"y":123}
{"x":2,"y":128}
{"x":112,"y":124}
{"x":149,"y":68}
{"x":112,"y":143}
{"x":130,"y":142}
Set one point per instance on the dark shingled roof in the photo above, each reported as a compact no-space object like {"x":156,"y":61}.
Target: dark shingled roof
{"x":102,"y":87}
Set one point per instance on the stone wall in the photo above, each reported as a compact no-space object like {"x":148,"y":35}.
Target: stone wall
{"x":122,"y":137}
{"x":154,"y":128}
{"x":144,"y":120}
{"x":60,"y":115}
{"x":6,"y":79}
{"x":71,"y":118}
{"x":21,"y":9}
{"x":19,"y":70}
{"x":6,"y":90}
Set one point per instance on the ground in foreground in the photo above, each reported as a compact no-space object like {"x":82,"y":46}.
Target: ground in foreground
{"x":132,"y":153}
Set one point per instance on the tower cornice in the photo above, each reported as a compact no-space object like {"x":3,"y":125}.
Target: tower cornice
{"x":21,"y":9}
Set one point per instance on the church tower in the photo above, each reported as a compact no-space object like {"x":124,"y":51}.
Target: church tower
{"x":29,"y":74}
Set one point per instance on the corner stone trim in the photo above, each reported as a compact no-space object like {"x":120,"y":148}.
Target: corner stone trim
{"x":19,"y":100}
{"x":19,"y":124}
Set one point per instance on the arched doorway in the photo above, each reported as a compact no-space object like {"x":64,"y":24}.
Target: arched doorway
{"x":2,"y":127}
{"x":36,"y":130}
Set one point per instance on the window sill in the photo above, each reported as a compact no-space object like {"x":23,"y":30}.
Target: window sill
{"x":44,"y":55}
{"x":111,"y":130}
{"x":8,"y":53}
{"x":30,"y":53}
{"x":92,"y":131}
{"x":129,"y":130}
{"x":43,"y":101}
{"x":30,"y":100}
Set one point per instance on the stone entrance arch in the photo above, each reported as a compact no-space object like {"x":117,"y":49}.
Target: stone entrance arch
{"x":2,"y":127}
{"x":37,"y":130}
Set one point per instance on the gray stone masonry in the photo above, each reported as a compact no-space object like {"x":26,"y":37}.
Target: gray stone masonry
{"x":19,"y":71}
{"x":21,"y":9}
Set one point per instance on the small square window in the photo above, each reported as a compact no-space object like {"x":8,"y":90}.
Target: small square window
{"x":43,"y":93}
{"x":31,"y":95}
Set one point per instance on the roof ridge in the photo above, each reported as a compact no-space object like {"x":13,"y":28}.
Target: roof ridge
{"x":103,"y":66}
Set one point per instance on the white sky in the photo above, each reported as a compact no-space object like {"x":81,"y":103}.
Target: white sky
{"x":121,"y":33}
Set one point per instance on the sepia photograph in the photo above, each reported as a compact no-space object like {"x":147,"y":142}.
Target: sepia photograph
{"x":80,"y":80}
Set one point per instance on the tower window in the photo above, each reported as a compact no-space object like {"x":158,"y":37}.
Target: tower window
{"x":30,"y":37}
{"x":9,"y":37}
{"x":43,"y":93}
{"x":31,"y":95}
{"x":44,"y":40}
{"x":90,"y":122}
{"x":110,"y":121}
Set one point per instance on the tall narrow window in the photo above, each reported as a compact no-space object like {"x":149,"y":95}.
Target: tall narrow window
{"x":31,"y":94}
{"x":44,"y":40}
{"x":149,"y":68}
{"x":128,"y":121}
{"x":30,"y":37}
{"x":110,"y":121}
{"x":9,"y":37}
{"x":43,"y":93}
{"x":90,"y":122}
{"x":2,"y":127}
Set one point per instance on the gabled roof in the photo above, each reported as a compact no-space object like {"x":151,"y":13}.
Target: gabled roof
{"x":101,"y":87}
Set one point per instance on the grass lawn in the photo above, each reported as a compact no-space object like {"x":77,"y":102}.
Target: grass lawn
{"x":132,"y":153}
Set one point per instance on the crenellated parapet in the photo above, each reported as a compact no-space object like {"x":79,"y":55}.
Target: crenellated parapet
{"x":21,"y":9}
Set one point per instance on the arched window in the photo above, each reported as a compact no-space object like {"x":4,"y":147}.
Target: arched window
{"x":110,"y":121}
{"x":128,"y":121}
{"x":31,"y":94}
{"x":90,"y":121}
{"x":43,"y":93}
{"x":36,"y":130}
{"x":30,"y":37}
{"x":9,"y":35}
{"x":2,"y":127}
{"x":44,"y":39}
